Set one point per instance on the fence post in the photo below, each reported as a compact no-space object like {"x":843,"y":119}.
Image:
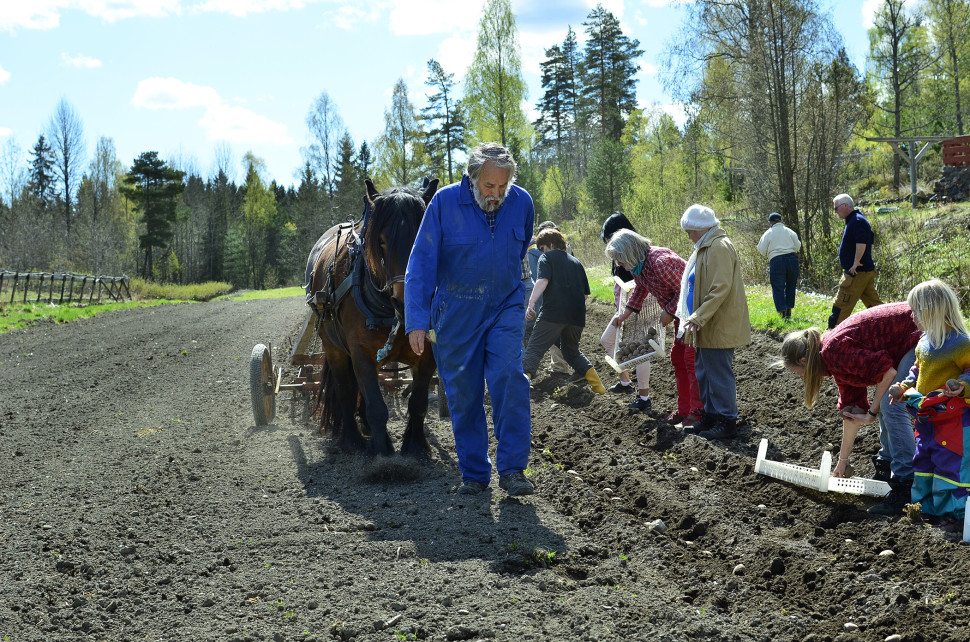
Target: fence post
{"x":26,"y":286}
{"x":60,"y":299}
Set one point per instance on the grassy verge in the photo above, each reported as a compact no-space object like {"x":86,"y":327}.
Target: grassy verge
{"x":141,"y":289}
{"x":277,"y":293}
{"x":21,"y":315}
{"x":810,"y":309}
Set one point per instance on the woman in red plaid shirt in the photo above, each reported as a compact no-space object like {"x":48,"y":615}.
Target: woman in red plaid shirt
{"x":658,"y":271}
{"x":874,"y":347}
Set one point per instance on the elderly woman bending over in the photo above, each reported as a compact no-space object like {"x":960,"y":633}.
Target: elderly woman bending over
{"x":658,"y":271}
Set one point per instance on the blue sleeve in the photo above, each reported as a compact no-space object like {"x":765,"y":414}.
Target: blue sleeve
{"x":420,"y":279}
{"x":530,"y":223}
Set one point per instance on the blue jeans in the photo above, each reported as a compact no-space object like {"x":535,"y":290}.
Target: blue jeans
{"x":715,"y":377}
{"x":783,"y":275}
{"x":897,"y":440}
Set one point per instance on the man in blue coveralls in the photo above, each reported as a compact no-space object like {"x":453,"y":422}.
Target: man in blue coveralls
{"x":464,"y":282}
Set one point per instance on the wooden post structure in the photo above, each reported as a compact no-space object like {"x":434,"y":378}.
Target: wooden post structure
{"x":910,"y":155}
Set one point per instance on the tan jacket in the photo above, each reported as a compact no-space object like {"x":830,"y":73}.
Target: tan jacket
{"x":720,"y":306}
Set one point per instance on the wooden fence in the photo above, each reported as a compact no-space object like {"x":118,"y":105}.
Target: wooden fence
{"x":956,"y":151}
{"x":25,"y":287}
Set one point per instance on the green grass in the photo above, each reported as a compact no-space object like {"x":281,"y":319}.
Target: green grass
{"x":600,"y":283}
{"x":277,"y":293}
{"x":141,"y":289}
{"x":22,"y":315}
{"x":810,"y":309}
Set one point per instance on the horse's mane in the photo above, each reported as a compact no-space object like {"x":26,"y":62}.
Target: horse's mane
{"x":399,"y":209}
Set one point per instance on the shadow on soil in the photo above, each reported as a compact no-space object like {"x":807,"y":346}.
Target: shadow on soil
{"x":409,"y":501}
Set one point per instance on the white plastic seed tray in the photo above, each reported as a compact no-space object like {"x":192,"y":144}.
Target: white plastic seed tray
{"x":649,"y":317}
{"x":820,"y":478}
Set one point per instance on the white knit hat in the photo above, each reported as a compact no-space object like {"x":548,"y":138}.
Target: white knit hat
{"x":698,"y":217}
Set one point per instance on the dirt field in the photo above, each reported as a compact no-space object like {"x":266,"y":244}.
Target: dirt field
{"x":139,"y":502}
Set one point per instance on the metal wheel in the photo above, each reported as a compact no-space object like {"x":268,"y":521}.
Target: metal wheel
{"x":262,"y":385}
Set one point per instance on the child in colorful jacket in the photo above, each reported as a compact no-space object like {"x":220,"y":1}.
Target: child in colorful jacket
{"x":935,"y":392}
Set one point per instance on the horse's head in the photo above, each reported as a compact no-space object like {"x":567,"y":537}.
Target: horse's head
{"x":394,"y":217}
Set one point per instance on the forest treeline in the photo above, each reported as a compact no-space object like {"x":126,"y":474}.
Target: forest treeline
{"x":775,"y":118}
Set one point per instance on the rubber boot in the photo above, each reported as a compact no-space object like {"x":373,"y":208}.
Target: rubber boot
{"x":594,"y":382}
{"x":898,"y":497}
{"x":881,"y":466}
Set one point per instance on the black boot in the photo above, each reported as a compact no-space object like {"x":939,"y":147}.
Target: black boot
{"x":708,"y":421}
{"x":725,"y":428}
{"x":881,"y":466}
{"x":899,"y":495}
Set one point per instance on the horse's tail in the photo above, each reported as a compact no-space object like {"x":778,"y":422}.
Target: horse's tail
{"x":327,"y":401}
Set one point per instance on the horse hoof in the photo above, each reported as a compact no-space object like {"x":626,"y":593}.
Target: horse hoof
{"x":375,"y":451}
{"x":421,"y":453}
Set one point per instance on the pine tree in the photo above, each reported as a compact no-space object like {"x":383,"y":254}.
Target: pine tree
{"x":155,"y":188}
{"x":221,"y":194}
{"x":445,"y":115}
{"x":556,"y":107}
{"x":364,"y":160}
{"x":609,"y":72}
{"x":41,"y":181}
{"x":347,"y":197}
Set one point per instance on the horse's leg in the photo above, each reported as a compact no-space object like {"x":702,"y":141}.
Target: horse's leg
{"x":415,"y":441}
{"x":374,"y":407}
{"x":349,"y":437}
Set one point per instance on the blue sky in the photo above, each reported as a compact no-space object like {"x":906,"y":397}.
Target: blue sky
{"x":189,"y":77}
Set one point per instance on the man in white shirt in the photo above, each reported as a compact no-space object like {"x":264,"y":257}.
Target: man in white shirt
{"x":780,"y":244}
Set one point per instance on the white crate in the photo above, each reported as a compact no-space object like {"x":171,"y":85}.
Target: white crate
{"x":820,"y":478}
{"x":649,"y":317}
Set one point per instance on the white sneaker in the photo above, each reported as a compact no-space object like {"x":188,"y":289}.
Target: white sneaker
{"x":557,"y":361}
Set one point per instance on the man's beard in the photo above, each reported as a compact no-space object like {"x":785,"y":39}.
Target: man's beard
{"x":487,"y":203}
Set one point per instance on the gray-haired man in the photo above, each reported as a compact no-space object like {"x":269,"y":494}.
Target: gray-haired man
{"x":464,"y":281}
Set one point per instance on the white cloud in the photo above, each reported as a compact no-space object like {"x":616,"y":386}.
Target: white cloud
{"x":456,"y":54}
{"x":5,"y":131}
{"x":46,"y":14}
{"x":648,"y":69}
{"x":534,"y":45}
{"x":41,"y":14}
{"x":240,"y":8}
{"x":220,"y":120}
{"x":675,"y":110}
{"x":172,"y":93}
{"x":80,"y":61}
{"x":869,"y":8}
{"x":4,"y":75}
{"x":426,"y":17}
{"x":240,"y":125}
{"x":348,"y":16}
{"x":114,"y":10}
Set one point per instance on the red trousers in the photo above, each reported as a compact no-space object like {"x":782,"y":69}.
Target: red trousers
{"x":688,"y":392}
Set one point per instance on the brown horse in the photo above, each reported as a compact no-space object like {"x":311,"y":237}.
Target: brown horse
{"x":360,"y":305}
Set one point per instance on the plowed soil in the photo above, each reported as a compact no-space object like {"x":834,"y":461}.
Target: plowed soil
{"x":140,"y":502}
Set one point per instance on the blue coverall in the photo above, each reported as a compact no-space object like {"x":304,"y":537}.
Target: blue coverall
{"x":464,"y":281}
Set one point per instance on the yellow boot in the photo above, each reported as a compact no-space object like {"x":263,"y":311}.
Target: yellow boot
{"x":594,"y":382}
